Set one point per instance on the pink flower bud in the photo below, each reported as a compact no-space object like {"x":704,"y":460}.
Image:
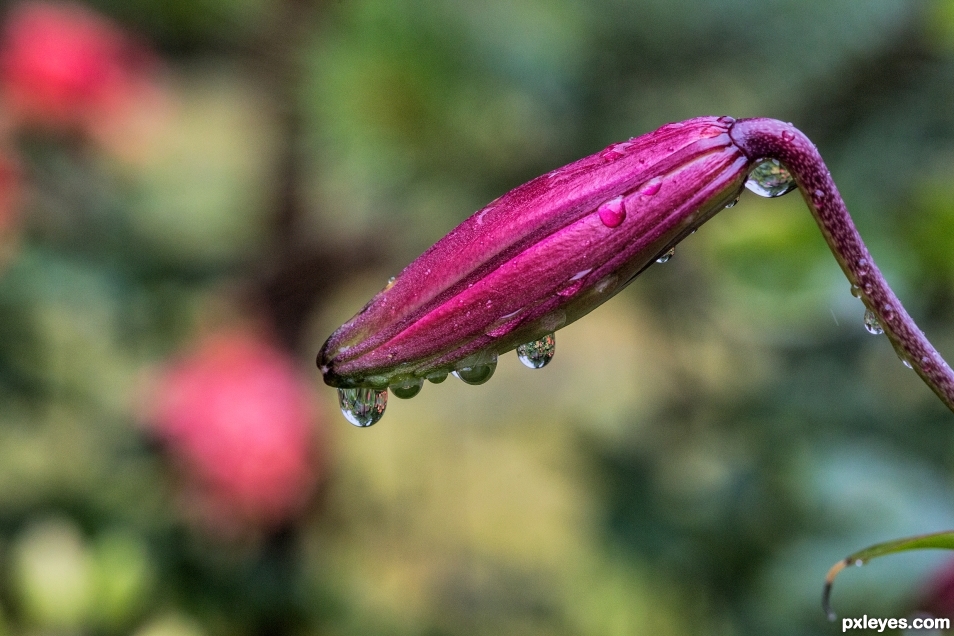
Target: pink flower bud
{"x":550,"y":251}
{"x":539,"y":257}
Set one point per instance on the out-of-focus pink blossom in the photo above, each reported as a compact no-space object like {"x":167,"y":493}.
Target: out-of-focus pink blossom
{"x":64,"y":67}
{"x":238,"y":418}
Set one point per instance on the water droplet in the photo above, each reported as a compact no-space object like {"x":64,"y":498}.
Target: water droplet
{"x":554,"y":320}
{"x":733,"y":202}
{"x":613,"y":212}
{"x":390,"y":283}
{"x":872,"y":324}
{"x":610,"y":153}
{"x":725,"y":119}
{"x":906,"y":363}
{"x":665,"y":257}
{"x":478,"y":373}
{"x":571,"y":289}
{"x":770,"y":179}
{"x":856,"y":291}
{"x":407,"y":388}
{"x":377,"y":381}
{"x":788,"y":135}
{"x":651,"y":187}
{"x":362,"y":407}
{"x":607,"y":284}
{"x":537,"y":354}
{"x":436,"y":377}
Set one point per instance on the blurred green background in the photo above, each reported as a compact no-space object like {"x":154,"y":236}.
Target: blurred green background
{"x":699,"y":452}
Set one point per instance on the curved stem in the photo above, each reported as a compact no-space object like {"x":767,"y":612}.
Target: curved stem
{"x":773,"y":139}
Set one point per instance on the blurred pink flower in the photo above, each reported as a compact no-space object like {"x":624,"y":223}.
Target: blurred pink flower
{"x":63,"y":66}
{"x":240,"y":421}
{"x":937,"y":597}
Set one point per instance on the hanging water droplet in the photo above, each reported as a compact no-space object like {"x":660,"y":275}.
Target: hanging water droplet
{"x":872,"y":324}
{"x":613,"y":212}
{"x":856,"y":291}
{"x":607,"y":284}
{"x":436,"y":377}
{"x":665,"y":257}
{"x":407,"y":388}
{"x":906,"y":363}
{"x":390,"y":283}
{"x":362,"y":407}
{"x":770,"y":179}
{"x":537,"y":354}
{"x":733,"y":202}
{"x":478,"y":373}
{"x":554,"y":320}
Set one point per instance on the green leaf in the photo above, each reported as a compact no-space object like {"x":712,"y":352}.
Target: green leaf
{"x":936,"y":541}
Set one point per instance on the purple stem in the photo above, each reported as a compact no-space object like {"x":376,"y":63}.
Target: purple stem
{"x":773,"y":139}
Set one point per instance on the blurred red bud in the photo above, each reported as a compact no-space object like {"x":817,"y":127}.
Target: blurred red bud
{"x":63,"y":66}
{"x":240,"y":421}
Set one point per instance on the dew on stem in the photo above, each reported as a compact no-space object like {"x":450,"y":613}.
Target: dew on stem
{"x":770,"y":179}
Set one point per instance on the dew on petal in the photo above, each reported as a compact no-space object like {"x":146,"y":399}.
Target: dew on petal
{"x":613,"y":212}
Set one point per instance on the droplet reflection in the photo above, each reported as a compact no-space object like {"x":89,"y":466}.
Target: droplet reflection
{"x":362,"y":407}
{"x":537,"y":354}
{"x":871,"y":323}
{"x":665,"y":257}
{"x":770,"y":179}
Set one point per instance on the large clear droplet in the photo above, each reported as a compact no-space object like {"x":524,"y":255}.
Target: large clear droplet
{"x":478,"y":373}
{"x":362,"y":407}
{"x":770,"y":179}
{"x":407,"y":388}
{"x":871,"y":323}
{"x":537,"y":354}
{"x":665,"y":257}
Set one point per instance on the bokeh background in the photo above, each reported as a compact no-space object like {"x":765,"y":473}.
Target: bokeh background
{"x":194,"y":194}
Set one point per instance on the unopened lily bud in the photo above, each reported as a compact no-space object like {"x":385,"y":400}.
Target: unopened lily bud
{"x":539,"y":257}
{"x":550,"y":251}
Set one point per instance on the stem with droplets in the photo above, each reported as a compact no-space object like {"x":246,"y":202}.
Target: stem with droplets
{"x":773,"y":139}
